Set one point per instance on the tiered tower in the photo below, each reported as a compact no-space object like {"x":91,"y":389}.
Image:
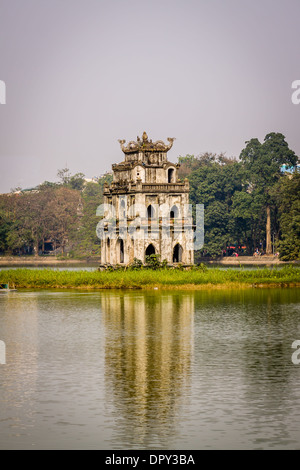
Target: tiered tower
{"x":150,"y":205}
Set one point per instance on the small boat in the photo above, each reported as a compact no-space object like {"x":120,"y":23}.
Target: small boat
{"x":5,"y":288}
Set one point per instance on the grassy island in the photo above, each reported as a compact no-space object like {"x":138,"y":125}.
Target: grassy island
{"x":195,"y":278}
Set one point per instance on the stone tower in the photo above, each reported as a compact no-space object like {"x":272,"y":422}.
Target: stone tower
{"x":147,"y":207}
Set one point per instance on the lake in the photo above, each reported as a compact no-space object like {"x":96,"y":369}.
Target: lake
{"x":208,"y":369}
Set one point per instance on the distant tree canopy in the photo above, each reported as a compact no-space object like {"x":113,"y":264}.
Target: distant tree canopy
{"x":263,"y":163}
{"x":34,"y":217}
{"x":246,"y":200}
{"x":214,"y":180}
{"x":55,"y":217}
{"x":286,"y":196}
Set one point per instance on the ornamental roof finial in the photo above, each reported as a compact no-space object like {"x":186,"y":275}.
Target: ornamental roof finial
{"x":145,"y":144}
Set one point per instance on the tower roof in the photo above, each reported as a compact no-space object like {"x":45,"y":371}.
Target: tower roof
{"x":146,"y":145}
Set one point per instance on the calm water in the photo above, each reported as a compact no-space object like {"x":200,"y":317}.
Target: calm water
{"x":150,"y":370}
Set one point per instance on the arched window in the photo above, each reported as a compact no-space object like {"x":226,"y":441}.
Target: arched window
{"x":174,"y":212}
{"x":150,"y":212}
{"x":150,"y":250}
{"x":122,"y":209}
{"x":177,"y":253}
{"x":171,"y":172}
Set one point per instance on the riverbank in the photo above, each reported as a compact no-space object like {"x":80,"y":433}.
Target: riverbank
{"x":250,"y":261}
{"x":288,"y":276}
{"x":45,"y":261}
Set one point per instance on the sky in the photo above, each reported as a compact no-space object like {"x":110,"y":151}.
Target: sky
{"x":81,"y":74}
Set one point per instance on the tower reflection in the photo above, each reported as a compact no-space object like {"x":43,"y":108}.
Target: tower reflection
{"x":148,"y":353}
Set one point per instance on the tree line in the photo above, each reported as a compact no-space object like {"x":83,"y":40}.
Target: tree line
{"x":57,"y":218}
{"x":250,"y":204}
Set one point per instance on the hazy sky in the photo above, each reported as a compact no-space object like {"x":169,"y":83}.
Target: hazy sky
{"x":81,"y":74}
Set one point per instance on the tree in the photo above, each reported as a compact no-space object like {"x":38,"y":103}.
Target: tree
{"x":263,"y":163}
{"x":47,"y":185}
{"x":287,"y":195}
{"x":213,"y":183}
{"x":87,"y":241}
{"x":107,"y":178}
{"x":32,"y":217}
{"x":61,"y":215}
{"x":5,"y":226}
{"x":77,"y":181}
{"x":64,"y":175}
{"x":8,"y":204}
{"x":247,"y":218}
{"x":28,"y":226}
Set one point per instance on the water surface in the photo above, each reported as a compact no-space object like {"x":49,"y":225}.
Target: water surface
{"x":150,"y":369}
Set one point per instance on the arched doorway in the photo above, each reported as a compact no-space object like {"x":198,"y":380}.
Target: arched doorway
{"x":177,"y":253}
{"x":150,"y":250}
{"x":121,"y":250}
{"x":108,"y":250}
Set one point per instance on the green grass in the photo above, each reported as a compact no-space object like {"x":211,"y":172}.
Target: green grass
{"x":211,"y":277}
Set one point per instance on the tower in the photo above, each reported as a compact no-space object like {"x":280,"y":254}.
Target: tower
{"x":147,"y":207}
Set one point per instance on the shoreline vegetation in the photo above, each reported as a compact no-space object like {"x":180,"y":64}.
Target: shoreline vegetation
{"x":195,"y":278}
{"x":20,"y":261}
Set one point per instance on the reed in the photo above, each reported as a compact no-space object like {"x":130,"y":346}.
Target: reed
{"x":163,"y":278}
